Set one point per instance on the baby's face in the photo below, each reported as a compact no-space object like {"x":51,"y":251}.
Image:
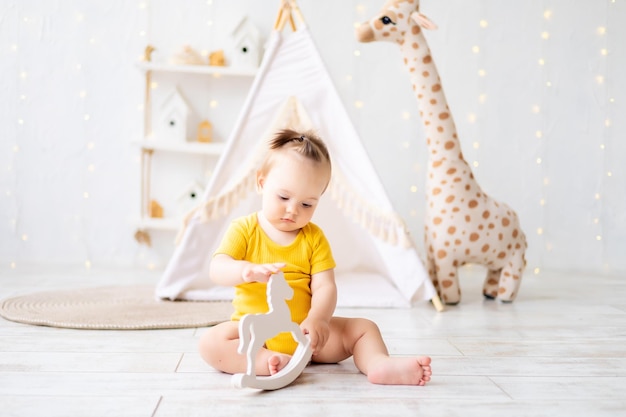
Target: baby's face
{"x":291,"y":190}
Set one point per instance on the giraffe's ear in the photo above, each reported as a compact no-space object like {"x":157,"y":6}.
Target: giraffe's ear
{"x":423,"y":21}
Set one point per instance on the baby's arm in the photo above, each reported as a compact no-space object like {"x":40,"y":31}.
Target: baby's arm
{"x":226,"y":271}
{"x":323,"y":302}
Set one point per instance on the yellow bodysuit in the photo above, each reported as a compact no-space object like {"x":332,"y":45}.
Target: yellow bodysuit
{"x":307,"y":255}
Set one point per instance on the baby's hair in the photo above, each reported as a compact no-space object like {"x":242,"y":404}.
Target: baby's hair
{"x":308,"y":144}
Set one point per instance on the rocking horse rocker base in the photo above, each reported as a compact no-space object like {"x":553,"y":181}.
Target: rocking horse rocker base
{"x":255,"y":329}
{"x":286,"y":376}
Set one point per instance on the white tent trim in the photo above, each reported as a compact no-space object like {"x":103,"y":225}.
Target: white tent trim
{"x":377,"y":263}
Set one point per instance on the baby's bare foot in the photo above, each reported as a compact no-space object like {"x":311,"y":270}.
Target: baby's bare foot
{"x":277,"y":362}
{"x":401,"y":371}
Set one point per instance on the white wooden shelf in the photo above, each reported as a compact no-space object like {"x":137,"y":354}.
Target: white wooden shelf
{"x":197,"y":69}
{"x":188,"y":147}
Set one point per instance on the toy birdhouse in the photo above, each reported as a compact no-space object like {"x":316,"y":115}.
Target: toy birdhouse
{"x":174,"y":118}
{"x":205,"y":132}
{"x":247,"y":45}
{"x":190,"y":197}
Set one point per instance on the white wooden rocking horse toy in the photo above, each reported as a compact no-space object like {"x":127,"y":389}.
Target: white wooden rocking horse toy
{"x":255,"y":329}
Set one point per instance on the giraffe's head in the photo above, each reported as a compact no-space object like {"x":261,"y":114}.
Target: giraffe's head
{"x":393,"y":22}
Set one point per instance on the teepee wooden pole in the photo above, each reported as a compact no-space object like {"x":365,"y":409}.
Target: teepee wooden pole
{"x":295,"y":9}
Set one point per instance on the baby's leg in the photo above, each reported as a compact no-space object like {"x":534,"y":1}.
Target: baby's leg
{"x":218,"y":347}
{"x":361,"y":338}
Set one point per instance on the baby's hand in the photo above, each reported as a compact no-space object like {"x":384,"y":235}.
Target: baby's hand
{"x":318,"y":331}
{"x":260,"y":272}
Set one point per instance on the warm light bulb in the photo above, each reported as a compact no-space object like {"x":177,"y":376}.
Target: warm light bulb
{"x":413,"y":188}
{"x":483,"y":23}
{"x":545,"y":35}
{"x":358,"y":104}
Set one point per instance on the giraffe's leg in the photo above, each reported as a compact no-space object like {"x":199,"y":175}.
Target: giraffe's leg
{"x":511,"y":278}
{"x":490,"y":287}
{"x":449,"y":283}
{"x":431,"y":267}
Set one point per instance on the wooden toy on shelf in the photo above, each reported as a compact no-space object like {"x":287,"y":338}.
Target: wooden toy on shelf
{"x":155,"y":210}
{"x":187,"y":56}
{"x":205,"y":132}
{"x":216,"y":58}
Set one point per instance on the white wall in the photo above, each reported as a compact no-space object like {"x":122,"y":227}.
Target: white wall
{"x":71,"y":103}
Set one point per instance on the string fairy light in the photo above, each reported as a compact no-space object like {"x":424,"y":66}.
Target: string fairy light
{"x":603,"y":83}
{"x":540,"y":134}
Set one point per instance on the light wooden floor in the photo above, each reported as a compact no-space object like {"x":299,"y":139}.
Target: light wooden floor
{"x":559,"y":350}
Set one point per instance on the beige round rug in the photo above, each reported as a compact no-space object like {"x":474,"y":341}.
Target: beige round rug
{"x":112,"y":308}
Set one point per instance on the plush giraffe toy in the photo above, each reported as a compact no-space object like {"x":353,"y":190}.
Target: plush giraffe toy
{"x":463,"y":224}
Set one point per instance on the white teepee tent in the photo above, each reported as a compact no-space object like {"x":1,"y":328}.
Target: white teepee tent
{"x":377,"y":264}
